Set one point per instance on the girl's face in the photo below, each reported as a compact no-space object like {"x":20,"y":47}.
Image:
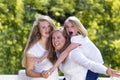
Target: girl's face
{"x":44,"y":28}
{"x":58,"y":40}
{"x":71,"y":29}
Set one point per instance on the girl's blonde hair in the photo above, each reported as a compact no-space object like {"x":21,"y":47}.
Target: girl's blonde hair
{"x":76,"y":22}
{"x":35,"y":35}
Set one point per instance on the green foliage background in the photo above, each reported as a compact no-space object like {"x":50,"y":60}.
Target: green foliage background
{"x":100,"y":17}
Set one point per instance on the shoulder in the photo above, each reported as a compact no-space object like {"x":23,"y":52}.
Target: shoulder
{"x":75,"y":51}
{"x":33,"y":48}
{"x":77,"y":36}
{"x":79,"y":39}
{"x":76,"y":54}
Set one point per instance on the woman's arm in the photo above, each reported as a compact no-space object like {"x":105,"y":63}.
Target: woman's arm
{"x":42,"y":58}
{"x":63,"y":55}
{"x":30,"y":62}
{"x":91,"y":65}
{"x":82,"y":60}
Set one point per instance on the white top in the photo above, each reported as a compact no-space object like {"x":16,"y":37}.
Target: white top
{"x":88,"y":48}
{"x":76,"y":65}
{"x":38,"y":52}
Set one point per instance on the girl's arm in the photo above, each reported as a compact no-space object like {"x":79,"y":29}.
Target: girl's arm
{"x":30,"y":66}
{"x":63,"y":55}
{"x":42,"y":58}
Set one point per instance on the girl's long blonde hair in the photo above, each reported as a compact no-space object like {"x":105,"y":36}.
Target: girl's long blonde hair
{"x":35,"y":35}
{"x":76,"y":22}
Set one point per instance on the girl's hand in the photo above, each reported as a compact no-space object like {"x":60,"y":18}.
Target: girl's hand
{"x":112,"y":72}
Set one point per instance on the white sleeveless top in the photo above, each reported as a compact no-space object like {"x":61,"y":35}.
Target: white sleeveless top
{"x":38,"y":52}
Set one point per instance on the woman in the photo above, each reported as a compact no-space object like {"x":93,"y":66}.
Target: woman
{"x":36,"y":48}
{"x":75,"y":66}
{"x":78,"y":34}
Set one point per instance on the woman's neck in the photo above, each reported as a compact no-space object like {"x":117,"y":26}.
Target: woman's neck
{"x":43,"y":41}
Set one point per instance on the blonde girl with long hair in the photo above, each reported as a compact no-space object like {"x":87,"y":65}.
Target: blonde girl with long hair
{"x":36,"y":48}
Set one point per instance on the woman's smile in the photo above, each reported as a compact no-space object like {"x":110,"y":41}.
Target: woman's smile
{"x":58,"y":40}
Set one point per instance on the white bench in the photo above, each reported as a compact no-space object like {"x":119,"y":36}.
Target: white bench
{"x":22,"y":76}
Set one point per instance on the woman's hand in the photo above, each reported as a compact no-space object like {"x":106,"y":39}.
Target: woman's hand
{"x":112,"y":72}
{"x":45,"y":74}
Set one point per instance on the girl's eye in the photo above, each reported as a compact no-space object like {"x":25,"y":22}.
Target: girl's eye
{"x":50,"y":26}
{"x":58,"y":37}
{"x":43,"y":27}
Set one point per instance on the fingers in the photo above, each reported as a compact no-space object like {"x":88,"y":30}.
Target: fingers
{"x":109,"y":70}
{"x":45,"y":74}
{"x":113,"y":72}
{"x":109,"y":66}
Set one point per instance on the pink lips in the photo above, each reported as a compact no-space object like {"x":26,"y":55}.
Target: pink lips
{"x":47,"y":32}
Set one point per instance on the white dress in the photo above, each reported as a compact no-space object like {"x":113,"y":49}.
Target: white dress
{"x":88,"y":48}
{"x":76,"y":65}
{"x":38,"y":52}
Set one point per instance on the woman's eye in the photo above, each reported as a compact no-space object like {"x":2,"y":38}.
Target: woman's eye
{"x":43,"y":27}
{"x":58,"y":37}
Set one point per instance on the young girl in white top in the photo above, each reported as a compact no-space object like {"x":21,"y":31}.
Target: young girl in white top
{"x":74,"y":28}
{"x":36,"y":48}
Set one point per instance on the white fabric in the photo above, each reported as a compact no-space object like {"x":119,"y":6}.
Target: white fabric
{"x":88,"y":48}
{"x":76,"y":65}
{"x":22,"y":75}
{"x":38,"y":52}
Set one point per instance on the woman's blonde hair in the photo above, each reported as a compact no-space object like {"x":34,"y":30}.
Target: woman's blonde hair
{"x":35,"y":34}
{"x":76,"y":22}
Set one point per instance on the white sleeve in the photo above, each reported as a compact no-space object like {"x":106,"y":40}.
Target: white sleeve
{"x":78,"y":39}
{"x":32,"y":51}
{"x":78,"y":57}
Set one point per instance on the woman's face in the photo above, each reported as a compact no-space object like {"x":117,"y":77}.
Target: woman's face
{"x":58,"y":40}
{"x":44,"y":28}
{"x":71,"y":29}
